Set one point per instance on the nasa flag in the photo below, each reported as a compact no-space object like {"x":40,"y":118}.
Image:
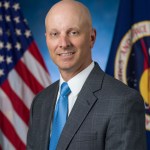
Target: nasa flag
{"x":129,"y":59}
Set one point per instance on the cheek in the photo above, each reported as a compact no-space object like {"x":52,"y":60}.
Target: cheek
{"x":80,"y":43}
{"x":85,"y":45}
{"x":51,"y":49}
{"x":51,"y":46}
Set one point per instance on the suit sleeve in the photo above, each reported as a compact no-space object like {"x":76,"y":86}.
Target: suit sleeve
{"x":126,"y":129}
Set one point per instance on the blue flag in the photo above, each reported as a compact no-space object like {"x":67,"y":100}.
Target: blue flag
{"x":129,"y":59}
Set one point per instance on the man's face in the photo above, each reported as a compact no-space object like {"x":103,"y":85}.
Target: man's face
{"x":69,"y":40}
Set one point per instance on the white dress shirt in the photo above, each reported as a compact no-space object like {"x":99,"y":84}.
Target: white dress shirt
{"x":75,"y":85}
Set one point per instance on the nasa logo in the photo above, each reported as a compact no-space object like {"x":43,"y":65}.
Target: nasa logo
{"x":132,"y":62}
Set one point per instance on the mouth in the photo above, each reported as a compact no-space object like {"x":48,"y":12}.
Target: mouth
{"x":66,"y":54}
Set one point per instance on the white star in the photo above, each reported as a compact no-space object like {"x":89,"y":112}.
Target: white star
{"x":1,"y":45}
{"x":18,"y":46}
{"x":1,"y":18}
{"x":1,"y":72}
{"x":8,"y":46}
{"x":18,"y":32}
{"x":9,"y":60}
{"x":17,"y":20}
{"x":16,"y":6}
{"x":1,"y":31}
{"x":1,"y":58}
{"x":6,"y":5}
{"x":7,"y":18}
{"x":27,"y":33}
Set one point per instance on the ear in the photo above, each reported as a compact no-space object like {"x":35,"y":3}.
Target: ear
{"x":46,"y":38}
{"x":46,"y":34}
{"x":93,"y":37}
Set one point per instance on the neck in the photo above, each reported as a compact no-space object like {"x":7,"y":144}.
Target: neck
{"x":69,"y":74}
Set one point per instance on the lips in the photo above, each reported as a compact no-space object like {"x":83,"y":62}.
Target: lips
{"x":66,"y":54}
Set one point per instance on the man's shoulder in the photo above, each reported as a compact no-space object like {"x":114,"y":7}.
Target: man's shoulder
{"x":99,"y":79}
{"x":50,"y":88}
{"x":117,"y":87}
{"x":47,"y":92}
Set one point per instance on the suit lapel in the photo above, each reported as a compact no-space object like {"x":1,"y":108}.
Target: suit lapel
{"x":49,"y":98}
{"x":84,"y":103}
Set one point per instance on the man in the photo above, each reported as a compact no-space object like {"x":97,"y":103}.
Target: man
{"x":102,"y":113}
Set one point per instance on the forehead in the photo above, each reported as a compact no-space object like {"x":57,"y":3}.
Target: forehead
{"x":65,"y":20}
{"x":67,"y":16}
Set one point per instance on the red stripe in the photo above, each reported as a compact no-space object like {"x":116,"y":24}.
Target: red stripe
{"x":28,"y":78}
{"x":10,"y":133}
{"x":36,"y":53}
{"x":17,"y":103}
{"x":0,"y":147}
{"x":146,"y":65}
{"x":146,"y":59}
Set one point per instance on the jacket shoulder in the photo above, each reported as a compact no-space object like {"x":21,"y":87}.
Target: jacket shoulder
{"x":49,"y":91}
{"x":117,"y":87}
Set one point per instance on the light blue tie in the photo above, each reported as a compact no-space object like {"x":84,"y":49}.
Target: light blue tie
{"x":60,"y":116}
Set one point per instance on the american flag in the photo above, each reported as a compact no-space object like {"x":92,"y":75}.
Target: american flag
{"x":22,"y":75}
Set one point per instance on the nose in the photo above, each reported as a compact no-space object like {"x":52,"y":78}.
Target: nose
{"x":64,"y":42}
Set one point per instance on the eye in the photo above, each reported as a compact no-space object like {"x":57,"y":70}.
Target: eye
{"x":73,"y":33}
{"x":54,"y":34}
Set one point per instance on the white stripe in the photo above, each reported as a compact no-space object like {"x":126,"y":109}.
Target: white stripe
{"x":20,"y":88}
{"x":36,"y":69}
{"x":7,"y":109}
{"x":4,"y":142}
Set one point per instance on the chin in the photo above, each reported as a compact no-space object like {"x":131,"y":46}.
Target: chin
{"x":65,"y":68}
{"x":65,"y":65}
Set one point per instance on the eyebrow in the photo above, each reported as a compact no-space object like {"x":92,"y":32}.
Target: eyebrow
{"x":73,"y":28}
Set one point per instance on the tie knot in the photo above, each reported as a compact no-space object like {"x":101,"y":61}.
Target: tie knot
{"x":65,"y":90}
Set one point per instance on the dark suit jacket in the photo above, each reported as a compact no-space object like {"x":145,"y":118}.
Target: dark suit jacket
{"x":107,"y":115}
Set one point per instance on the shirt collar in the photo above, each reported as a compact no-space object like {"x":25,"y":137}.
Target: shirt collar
{"x":77,"y":81}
